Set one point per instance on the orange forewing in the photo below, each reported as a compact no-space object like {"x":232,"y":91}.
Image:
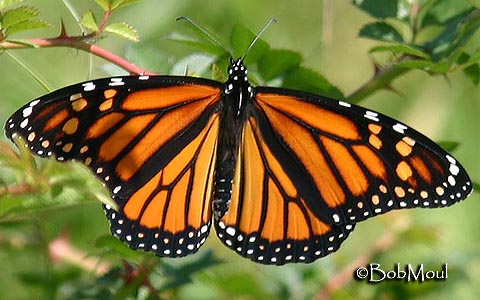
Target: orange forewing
{"x":166,"y":201}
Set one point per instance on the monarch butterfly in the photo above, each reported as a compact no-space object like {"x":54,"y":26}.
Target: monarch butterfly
{"x":284,"y":175}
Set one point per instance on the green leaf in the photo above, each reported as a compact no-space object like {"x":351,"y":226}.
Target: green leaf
{"x":405,"y":10}
{"x":145,"y":55}
{"x":475,"y":57}
{"x":181,"y":274}
{"x":381,"y":31}
{"x":476,"y":186}
{"x":440,"y":12}
{"x":123,"y":30}
{"x":88,"y":21}
{"x":198,"y":33}
{"x":456,"y":33}
{"x":379,"y":9}
{"x":470,"y":67}
{"x":122,"y":3}
{"x":276,"y":62}
{"x":199,"y":43}
{"x":109,"y":5}
{"x":195,"y":64}
{"x":115,"y":245}
{"x":400,"y":49}
{"x":310,"y":81}
{"x":218,"y":71}
{"x":473,"y":73}
{"x":454,"y":56}
{"x":7,"y":3}
{"x":449,"y":146}
{"x":18,"y":15}
{"x":440,"y":68}
{"x":415,"y":64}
{"x":475,"y":3}
{"x":240,"y":38}
{"x":26,"y":25}
{"x":104,"y":4}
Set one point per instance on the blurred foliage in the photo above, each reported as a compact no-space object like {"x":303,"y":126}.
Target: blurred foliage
{"x":455,"y":23}
{"x":18,"y":19}
{"x":43,"y":200}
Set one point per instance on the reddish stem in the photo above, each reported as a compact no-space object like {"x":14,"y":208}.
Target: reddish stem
{"x":106,"y":16}
{"x":78,"y":42}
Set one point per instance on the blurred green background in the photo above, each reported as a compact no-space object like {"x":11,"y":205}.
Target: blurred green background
{"x":325,"y":33}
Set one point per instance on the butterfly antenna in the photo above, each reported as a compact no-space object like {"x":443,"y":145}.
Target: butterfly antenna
{"x":205,"y":32}
{"x":272,"y":20}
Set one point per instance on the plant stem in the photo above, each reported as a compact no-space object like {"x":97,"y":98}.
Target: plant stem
{"x":78,"y":43}
{"x":380,"y":80}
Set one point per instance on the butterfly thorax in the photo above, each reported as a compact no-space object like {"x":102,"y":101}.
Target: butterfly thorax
{"x":238,"y":94}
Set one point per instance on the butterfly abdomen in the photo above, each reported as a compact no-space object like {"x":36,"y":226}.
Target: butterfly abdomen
{"x":229,"y":140}
{"x":223,"y":188}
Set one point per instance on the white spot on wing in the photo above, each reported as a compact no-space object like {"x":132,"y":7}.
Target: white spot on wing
{"x":371,"y":115}
{"x":230,"y":231}
{"x":451,"y":159}
{"x":116,"y":82}
{"x":399,"y":128}
{"x":88,"y":86}
{"x":336,"y":218}
{"x":117,"y":189}
{"x":454,"y":169}
{"x":34,"y":102}
{"x":24,"y":123}
{"x":27,"y":111}
{"x":451,"y":180}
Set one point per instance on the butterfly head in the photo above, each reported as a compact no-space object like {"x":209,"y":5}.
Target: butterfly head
{"x":237,"y":78}
{"x":237,"y":70}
